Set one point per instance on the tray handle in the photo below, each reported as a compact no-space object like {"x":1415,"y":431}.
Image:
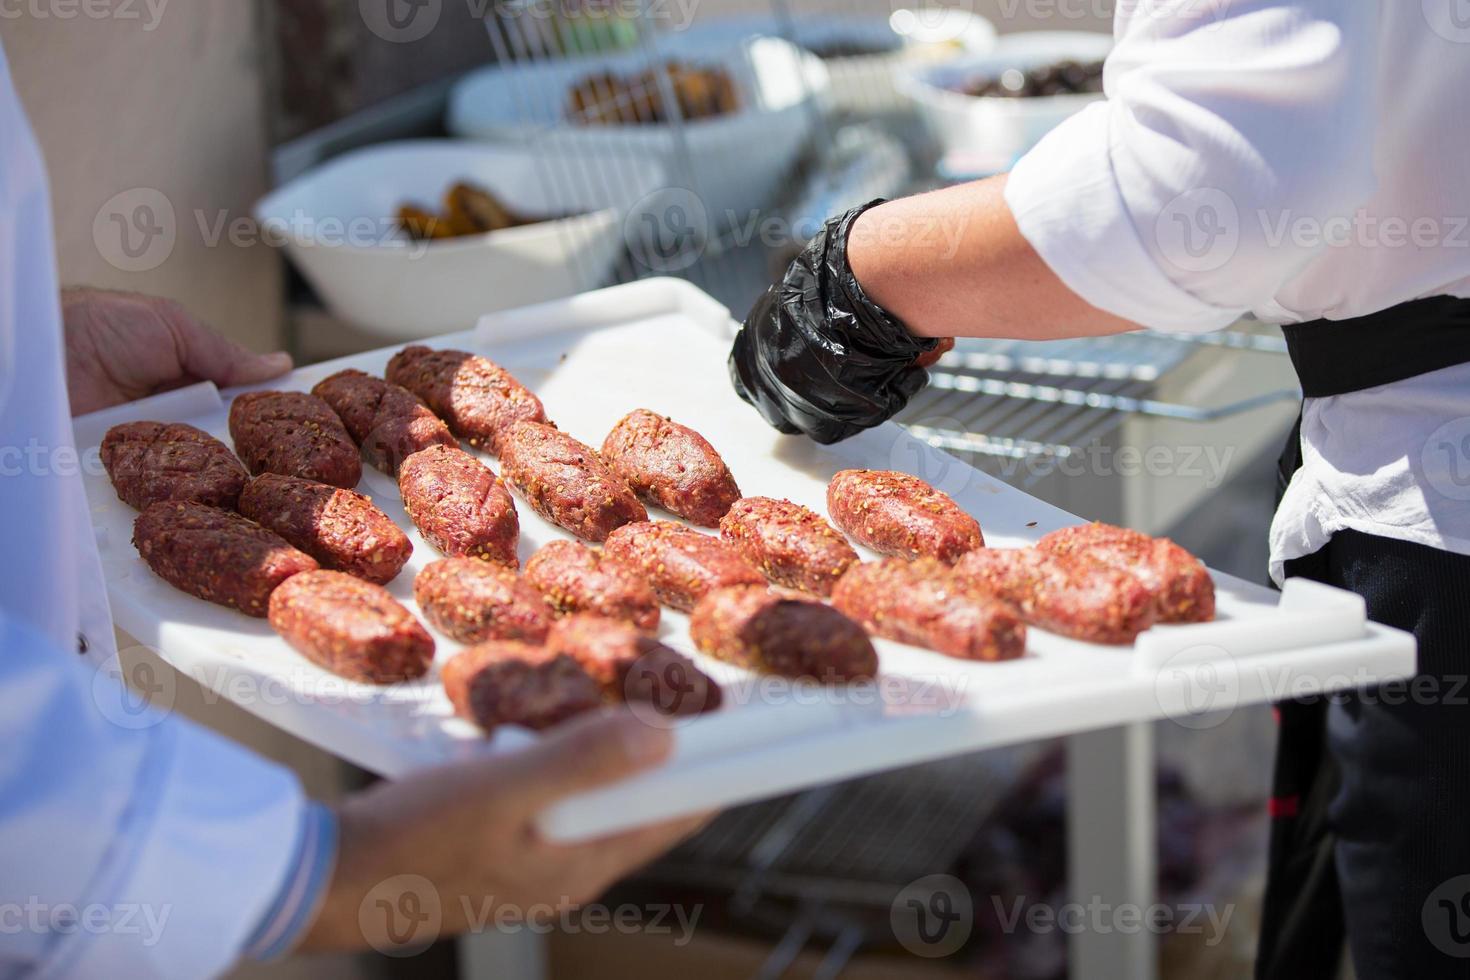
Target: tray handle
{"x":1310,"y":614}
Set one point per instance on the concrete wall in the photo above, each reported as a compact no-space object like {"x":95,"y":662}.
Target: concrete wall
{"x":172,"y":105}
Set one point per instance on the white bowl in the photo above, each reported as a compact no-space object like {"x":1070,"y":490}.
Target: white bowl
{"x":865,"y":83}
{"x":734,"y":163}
{"x":995,"y":128}
{"x":338,"y":223}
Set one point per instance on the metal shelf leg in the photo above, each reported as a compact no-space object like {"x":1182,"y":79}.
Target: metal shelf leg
{"x":1112,"y":853}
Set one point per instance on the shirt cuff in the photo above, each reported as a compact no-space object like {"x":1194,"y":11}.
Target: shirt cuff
{"x":210,"y":836}
{"x":295,"y":907}
{"x":1065,"y":198}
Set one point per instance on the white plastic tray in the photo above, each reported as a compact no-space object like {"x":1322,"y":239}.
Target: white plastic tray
{"x":662,"y":344}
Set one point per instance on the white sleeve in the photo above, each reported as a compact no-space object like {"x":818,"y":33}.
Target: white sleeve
{"x":1170,"y":204}
{"x":133,"y":844}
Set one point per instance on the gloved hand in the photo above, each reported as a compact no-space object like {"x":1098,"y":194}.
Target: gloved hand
{"x":816,"y":356}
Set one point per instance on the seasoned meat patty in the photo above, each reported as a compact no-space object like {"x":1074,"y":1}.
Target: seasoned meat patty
{"x":476,"y":396}
{"x":351,"y":627}
{"x":388,"y":423}
{"x":792,"y":545}
{"x":508,"y":683}
{"x":153,"y":461}
{"x":574,"y":578}
{"x":474,"y":601}
{"x":681,"y":564}
{"x":1182,"y":587}
{"x":671,"y":466}
{"x":460,"y":506}
{"x":923,"y":603}
{"x":216,"y":555}
{"x":294,"y":434}
{"x":1071,"y":595}
{"x":631,"y":666}
{"x":341,"y":529}
{"x":755,"y":628}
{"x":566,"y":482}
{"x":901,"y":515}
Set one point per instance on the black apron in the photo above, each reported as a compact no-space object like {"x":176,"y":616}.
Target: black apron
{"x":1371,"y":792}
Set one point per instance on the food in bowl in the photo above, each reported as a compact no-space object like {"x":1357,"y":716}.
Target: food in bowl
{"x":609,"y":99}
{"x":469,"y":209}
{"x":1068,"y":77}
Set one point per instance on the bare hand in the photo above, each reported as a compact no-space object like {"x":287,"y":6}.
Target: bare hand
{"x":469,"y":829}
{"x":123,"y":346}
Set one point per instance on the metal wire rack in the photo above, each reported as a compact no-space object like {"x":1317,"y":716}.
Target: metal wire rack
{"x":999,"y":404}
{"x":823,"y":868}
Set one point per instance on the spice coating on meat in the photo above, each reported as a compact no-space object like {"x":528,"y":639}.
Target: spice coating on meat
{"x":923,"y":603}
{"x":1071,"y":595}
{"x":755,"y":628}
{"x":508,"y":683}
{"x":1182,"y":587}
{"x":341,"y":529}
{"x":631,"y":666}
{"x":671,"y":466}
{"x":352,"y":628}
{"x":566,"y":482}
{"x":149,"y":462}
{"x":681,"y":564}
{"x":216,"y":555}
{"x":574,"y":578}
{"x":793,"y":546}
{"x":474,"y":601}
{"x":460,"y":506}
{"x":476,"y":396}
{"x":294,"y":434}
{"x":388,"y":423}
{"x":901,"y":515}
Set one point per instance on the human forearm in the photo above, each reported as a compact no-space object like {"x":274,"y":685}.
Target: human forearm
{"x":953,"y":263}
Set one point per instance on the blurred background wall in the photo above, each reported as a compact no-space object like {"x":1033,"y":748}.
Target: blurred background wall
{"x":175,"y":104}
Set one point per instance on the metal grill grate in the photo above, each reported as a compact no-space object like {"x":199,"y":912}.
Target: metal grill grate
{"x":999,"y":403}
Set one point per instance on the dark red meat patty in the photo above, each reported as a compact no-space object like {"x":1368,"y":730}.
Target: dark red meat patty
{"x":150,"y":462}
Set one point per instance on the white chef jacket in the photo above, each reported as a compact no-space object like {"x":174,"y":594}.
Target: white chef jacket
{"x":1300,"y":160}
{"x":130,"y":845}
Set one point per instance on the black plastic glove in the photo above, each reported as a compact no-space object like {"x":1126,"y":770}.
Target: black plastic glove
{"x":816,"y":356}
